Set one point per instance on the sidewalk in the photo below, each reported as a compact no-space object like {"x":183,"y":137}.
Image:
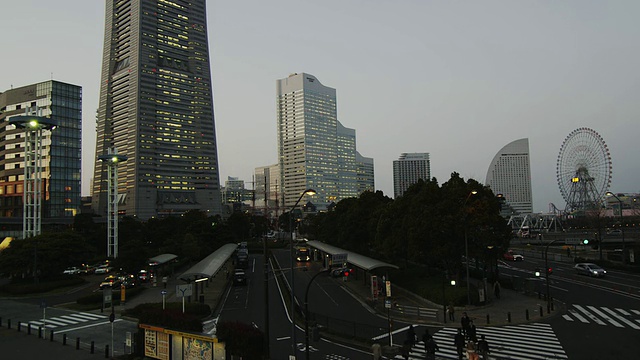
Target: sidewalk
{"x":512,"y":307}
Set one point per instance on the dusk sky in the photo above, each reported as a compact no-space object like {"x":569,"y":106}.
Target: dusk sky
{"x":456,"y":79}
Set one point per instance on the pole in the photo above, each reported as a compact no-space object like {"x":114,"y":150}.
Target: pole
{"x":306,"y":312}
{"x":293,"y":296}
{"x":624,"y":248}
{"x":466,"y":260}
{"x":444,"y":301}
{"x":546,"y":271}
{"x":266,"y":299}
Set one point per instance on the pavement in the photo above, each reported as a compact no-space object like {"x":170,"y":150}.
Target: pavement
{"x":513,"y":307}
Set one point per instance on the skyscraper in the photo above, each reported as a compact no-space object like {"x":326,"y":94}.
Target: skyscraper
{"x":365,"y":173}
{"x":61,"y":149}
{"x":156,"y":108}
{"x":315,"y":151}
{"x":510,"y":175}
{"x":408,"y":169}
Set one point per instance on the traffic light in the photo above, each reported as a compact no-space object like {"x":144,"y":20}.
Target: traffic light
{"x":346,"y":272}
{"x":549,"y":270}
{"x":595,"y":244}
{"x":585,"y":241}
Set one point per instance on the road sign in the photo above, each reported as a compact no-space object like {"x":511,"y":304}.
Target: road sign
{"x":339,"y":258}
{"x":183,"y":290}
{"x":163,"y":292}
{"x":387,"y":303}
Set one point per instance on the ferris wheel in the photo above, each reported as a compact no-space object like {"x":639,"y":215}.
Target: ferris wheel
{"x":583,"y":169}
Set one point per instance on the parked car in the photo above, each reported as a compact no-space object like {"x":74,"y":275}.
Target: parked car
{"x":239,"y":277}
{"x":71,"y":271}
{"x":590,"y":269}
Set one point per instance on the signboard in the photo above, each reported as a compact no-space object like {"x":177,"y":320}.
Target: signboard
{"x":573,"y":241}
{"x":183,"y":290}
{"x":339,"y":258}
{"x":388,"y":287}
{"x":387,"y":303}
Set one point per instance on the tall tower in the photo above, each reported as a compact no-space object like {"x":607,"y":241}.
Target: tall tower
{"x":510,"y":175}
{"x":59,"y":175}
{"x":156,"y":108}
{"x":408,"y":169}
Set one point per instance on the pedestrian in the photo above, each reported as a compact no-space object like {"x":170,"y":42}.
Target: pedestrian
{"x":376,"y":349}
{"x":471,"y":351}
{"x":464,"y":322}
{"x":406,"y":348}
{"x":458,"y":342}
{"x":472,"y":333}
{"x":431,"y":347}
{"x":496,"y":289}
{"x":483,"y":348}
{"x":451,"y":310}
{"x":426,"y":337}
{"x":411,"y":335}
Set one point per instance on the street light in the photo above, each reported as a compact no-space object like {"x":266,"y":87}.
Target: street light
{"x":466,"y":247}
{"x":624,"y":250}
{"x":293,"y":297}
{"x":546,"y":271}
{"x":306,"y":312}
{"x":112,"y":159}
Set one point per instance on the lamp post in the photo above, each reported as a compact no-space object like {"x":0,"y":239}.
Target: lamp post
{"x":624,"y":250}
{"x":112,"y":159}
{"x":291,"y":255}
{"x":306,"y":312}
{"x":466,"y":247}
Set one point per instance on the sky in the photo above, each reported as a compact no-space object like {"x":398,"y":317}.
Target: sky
{"x":456,"y":79}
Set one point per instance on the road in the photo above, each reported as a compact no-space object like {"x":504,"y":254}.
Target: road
{"x":602,"y":318}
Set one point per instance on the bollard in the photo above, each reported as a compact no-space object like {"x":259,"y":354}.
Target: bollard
{"x":29,"y":328}
{"x":526,"y":313}
{"x":551,"y":304}
{"x":19,"y":326}
{"x":77,"y":343}
{"x":9,"y":324}
{"x":0,"y":321}
{"x":64,"y":339}
{"x":39,"y":332}
{"x":51,"y":335}
{"x":93,"y":346}
{"x":541,"y":312}
{"x":509,"y":317}
{"x":487,"y":319}
{"x":106,"y":352}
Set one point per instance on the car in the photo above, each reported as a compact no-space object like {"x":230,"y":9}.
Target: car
{"x":340,"y":272}
{"x":71,"y":271}
{"x":110,"y":281}
{"x":102,"y":269}
{"x":128,"y":281}
{"x":144,"y":275}
{"x":87,"y":270}
{"x":511,"y":256}
{"x":239,"y":277}
{"x":590,"y":269}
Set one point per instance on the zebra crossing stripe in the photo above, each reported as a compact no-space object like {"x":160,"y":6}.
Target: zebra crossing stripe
{"x":89,"y":316}
{"x":589,"y":315}
{"x":637,"y":312}
{"x":623,"y":312}
{"x":582,"y":319}
{"x":71,"y":319}
{"x":605,"y":316}
{"x":51,"y":322}
{"x":621,"y":318}
{"x":567,"y":317}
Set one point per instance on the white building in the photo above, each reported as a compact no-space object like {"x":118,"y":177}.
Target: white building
{"x":408,"y":169}
{"x":510,"y":175}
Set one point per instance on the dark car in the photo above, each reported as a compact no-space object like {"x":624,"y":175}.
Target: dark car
{"x":239,"y":277}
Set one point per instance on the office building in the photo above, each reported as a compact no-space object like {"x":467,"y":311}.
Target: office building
{"x":315,"y":150}
{"x":61,"y":150}
{"x":365,"y":174}
{"x":408,"y":169}
{"x":267,"y":188}
{"x":510,"y":175}
{"x":156,"y":108}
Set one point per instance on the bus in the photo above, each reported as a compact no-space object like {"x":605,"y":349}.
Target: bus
{"x":302,"y":254}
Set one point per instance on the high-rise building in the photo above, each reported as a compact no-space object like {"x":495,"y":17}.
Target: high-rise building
{"x":510,"y":175}
{"x":315,"y":151}
{"x":156,"y":108}
{"x":408,"y":169}
{"x":365,"y":174}
{"x":267,"y":189}
{"x":61,"y":150}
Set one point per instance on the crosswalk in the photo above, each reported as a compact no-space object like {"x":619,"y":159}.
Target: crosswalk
{"x":527,"y":342}
{"x":68,"y":320}
{"x":602,"y":315}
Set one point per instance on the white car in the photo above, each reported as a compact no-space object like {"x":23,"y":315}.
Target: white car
{"x":590,"y":269}
{"x":71,"y":271}
{"x":102,"y":269}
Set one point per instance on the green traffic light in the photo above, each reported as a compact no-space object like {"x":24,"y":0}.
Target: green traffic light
{"x":585,"y":241}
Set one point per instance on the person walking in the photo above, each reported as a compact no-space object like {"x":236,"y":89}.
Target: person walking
{"x":496,"y":289}
{"x":406,"y":348}
{"x":458,"y":342}
{"x":411,"y":335}
{"x":431,"y":347}
{"x":464,"y":322}
{"x":471,"y":351}
{"x":472,"y":332}
{"x":483,"y":348}
{"x":451,"y":310}
{"x":426,"y":337}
